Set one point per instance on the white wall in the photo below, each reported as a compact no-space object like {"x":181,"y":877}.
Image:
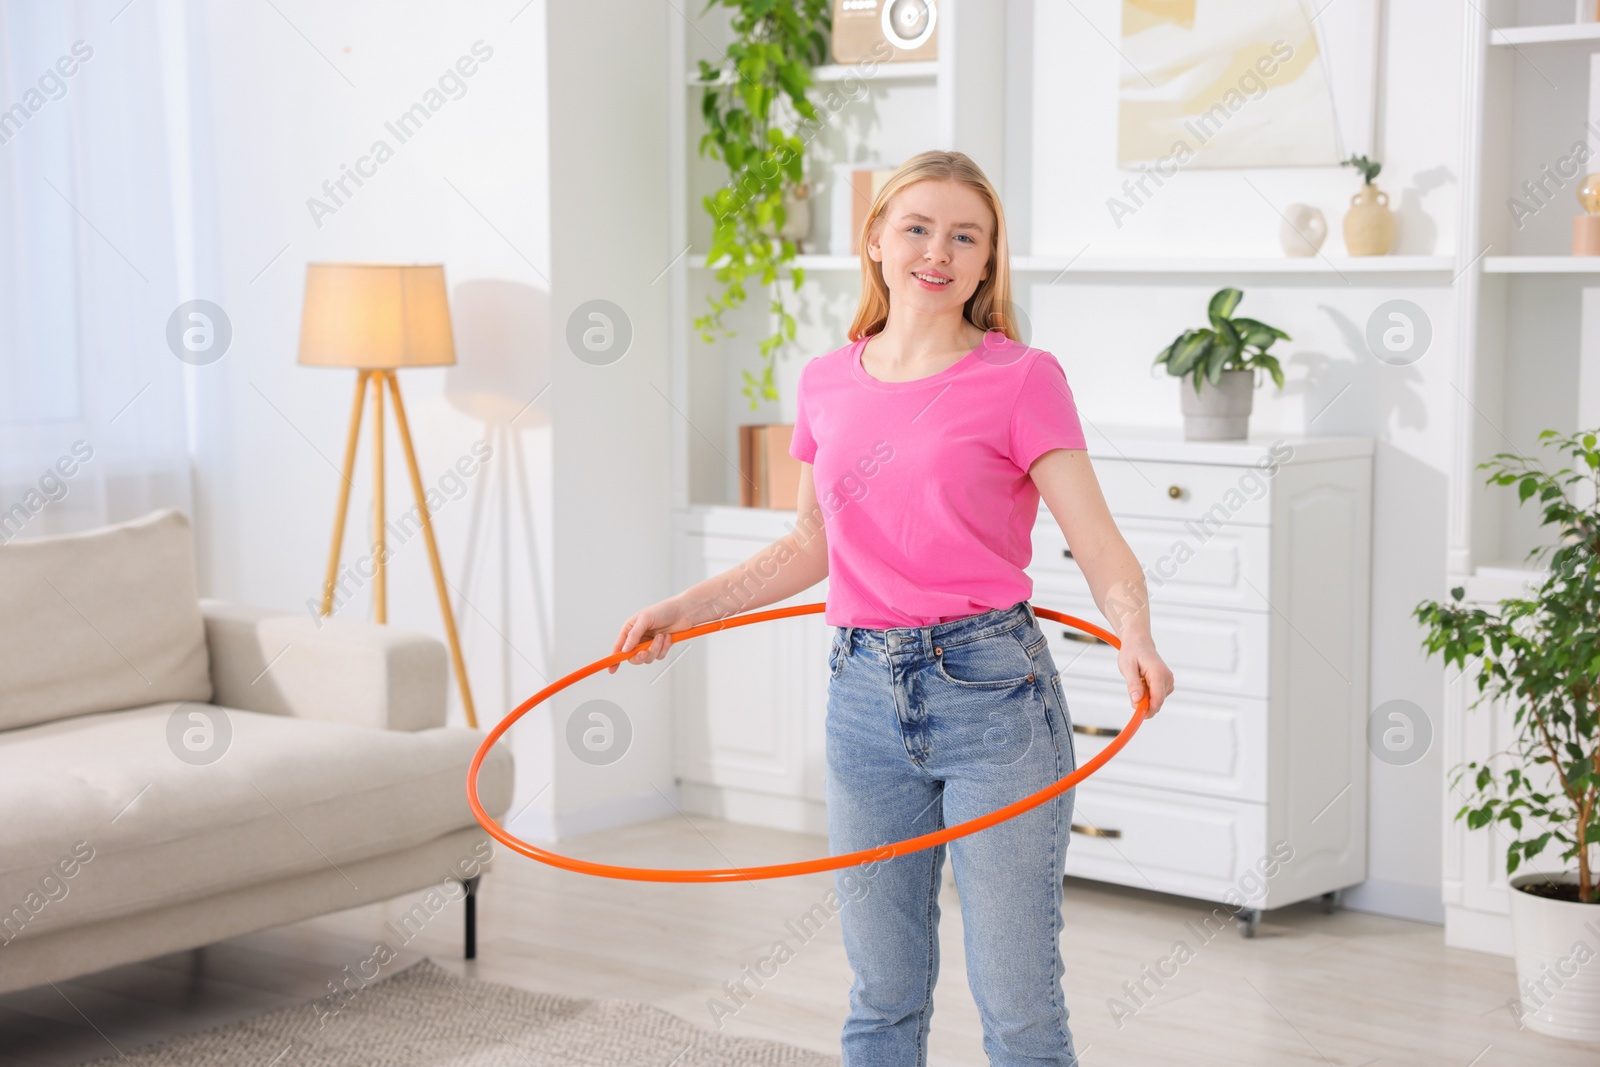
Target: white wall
{"x":282,"y":97}
{"x":1107,"y":329}
{"x":609,"y":239}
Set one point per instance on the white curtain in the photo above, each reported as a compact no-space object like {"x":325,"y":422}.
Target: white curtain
{"x":92,"y":398}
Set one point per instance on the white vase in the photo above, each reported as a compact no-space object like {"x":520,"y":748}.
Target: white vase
{"x":1557,"y":945}
{"x":1302,"y":230}
{"x":1218,"y":412}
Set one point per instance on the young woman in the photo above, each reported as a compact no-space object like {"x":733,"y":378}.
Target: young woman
{"x":926,"y":445}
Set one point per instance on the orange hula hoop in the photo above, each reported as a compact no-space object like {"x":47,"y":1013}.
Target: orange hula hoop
{"x":777,"y":870}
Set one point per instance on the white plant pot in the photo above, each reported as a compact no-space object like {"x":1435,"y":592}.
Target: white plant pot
{"x":1218,"y":412}
{"x":1557,"y":946}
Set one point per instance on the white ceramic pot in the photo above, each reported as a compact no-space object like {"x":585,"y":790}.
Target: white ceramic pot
{"x":1557,"y":945}
{"x":1218,"y":412}
{"x":1302,"y":230}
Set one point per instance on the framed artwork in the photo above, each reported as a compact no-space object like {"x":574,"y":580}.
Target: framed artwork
{"x":1247,"y":83}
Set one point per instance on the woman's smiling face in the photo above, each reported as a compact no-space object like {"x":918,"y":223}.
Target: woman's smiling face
{"x":934,"y":244}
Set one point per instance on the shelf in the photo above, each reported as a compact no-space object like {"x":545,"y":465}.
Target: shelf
{"x":810,"y":261}
{"x":835,"y":72}
{"x":1176,"y":264}
{"x":1541,"y":264}
{"x":1561,"y":33}
{"x":909,"y":71}
{"x":1499,"y":580}
{"x":1234,"y":264}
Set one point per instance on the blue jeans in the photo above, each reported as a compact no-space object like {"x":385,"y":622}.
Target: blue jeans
{"x":929,"y":726}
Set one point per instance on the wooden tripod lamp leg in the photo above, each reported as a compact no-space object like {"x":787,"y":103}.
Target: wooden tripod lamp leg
{"x":380,"y":588}
{"x":344,"y":491}
{"x":433,"y":553}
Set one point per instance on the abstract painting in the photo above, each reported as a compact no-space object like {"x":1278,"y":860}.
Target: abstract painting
{"x":1246,"y":83}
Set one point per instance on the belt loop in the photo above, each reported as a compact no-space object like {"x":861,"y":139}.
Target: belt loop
{"x":849,"y":632}
{"x":1031,"y":614}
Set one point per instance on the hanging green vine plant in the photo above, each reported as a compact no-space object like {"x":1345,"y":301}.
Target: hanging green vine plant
{"x":776,"y":43}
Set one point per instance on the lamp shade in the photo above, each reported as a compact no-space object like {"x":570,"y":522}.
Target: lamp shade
{"x":375,"y":316}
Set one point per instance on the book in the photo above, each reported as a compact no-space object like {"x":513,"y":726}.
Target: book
{"x":768,"y":476}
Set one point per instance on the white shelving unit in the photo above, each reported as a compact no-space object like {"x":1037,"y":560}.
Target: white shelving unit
{"x":1529,"y":359}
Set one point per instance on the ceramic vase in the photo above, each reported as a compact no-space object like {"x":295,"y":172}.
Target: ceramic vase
{"x":1302,"y":231}
{"x":1369,"y":224}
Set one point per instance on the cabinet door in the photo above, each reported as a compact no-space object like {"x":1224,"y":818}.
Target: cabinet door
{"x":746,"y":699}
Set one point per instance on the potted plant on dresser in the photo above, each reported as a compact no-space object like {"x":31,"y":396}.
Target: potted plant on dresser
{"x":1541,"y":656}
{"x":1221,"y":361}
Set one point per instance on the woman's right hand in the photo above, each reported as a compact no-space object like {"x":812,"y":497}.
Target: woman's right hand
{"x":655,"y":625}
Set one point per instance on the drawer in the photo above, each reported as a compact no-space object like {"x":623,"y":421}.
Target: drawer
{"x":1209,"y":495}
{"x":1223,"y":652}
{"x":1192,"y":846}
{"x":1226,"y":568}
{"x":1197,"y":743}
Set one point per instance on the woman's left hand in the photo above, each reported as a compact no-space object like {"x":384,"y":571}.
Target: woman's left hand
{"x":1142,"y":667}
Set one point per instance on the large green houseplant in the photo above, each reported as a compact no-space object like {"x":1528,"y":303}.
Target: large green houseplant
{"x":775,"y":45}
{"x":1540,"y":656}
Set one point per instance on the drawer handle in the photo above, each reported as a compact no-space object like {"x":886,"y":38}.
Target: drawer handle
{"x":1094,"y":831}
{"x":1096,"y":731}
{"x":1175,"y":492}
{"x":1074,"y":635}
{"x":1066,"y":553}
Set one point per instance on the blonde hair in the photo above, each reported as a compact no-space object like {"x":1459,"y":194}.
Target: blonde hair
{"x":989,"y":307}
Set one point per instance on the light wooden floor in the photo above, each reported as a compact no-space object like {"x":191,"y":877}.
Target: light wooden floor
{"x":1345,"y":990}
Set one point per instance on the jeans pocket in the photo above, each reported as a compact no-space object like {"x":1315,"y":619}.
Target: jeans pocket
{"x":999,"y":661}
{"x":1061,"y":723}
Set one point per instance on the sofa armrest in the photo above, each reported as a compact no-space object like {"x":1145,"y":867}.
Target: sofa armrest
{"x":332,"y":669}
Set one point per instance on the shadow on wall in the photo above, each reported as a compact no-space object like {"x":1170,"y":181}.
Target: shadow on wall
{"x":1376,"y":402}
{"x":501,"y":378}
{"x":502,"y":352}
{"x":1417,"y":232}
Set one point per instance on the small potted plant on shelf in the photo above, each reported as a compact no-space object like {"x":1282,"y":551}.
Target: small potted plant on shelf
{"x":1369,"y":224}
{"x":1541,"y":657}
{"x":1221,"y":361}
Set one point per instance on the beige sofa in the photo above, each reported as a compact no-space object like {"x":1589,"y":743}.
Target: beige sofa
{"x":174,"y":771}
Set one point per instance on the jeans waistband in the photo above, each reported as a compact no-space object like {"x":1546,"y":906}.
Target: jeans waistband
{"x":954,"y":632}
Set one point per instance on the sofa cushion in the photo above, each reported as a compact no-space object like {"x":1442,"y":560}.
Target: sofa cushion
{"x":104,"y":619}
{"x":286,"y":796}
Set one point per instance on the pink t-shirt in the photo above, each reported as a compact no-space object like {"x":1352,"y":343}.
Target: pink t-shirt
{"x":923,"y":485}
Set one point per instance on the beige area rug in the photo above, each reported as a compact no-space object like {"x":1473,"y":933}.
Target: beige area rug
{"x":426,"y":1015}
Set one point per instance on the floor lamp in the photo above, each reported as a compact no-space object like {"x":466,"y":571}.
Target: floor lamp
{"x":376,"y":318}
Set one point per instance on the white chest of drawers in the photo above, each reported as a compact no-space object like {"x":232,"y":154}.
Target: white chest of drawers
{"x":1249,"y":787}
{"x":1259,"y":592}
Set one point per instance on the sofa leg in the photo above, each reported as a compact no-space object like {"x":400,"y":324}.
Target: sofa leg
{"x":471,"y":885}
